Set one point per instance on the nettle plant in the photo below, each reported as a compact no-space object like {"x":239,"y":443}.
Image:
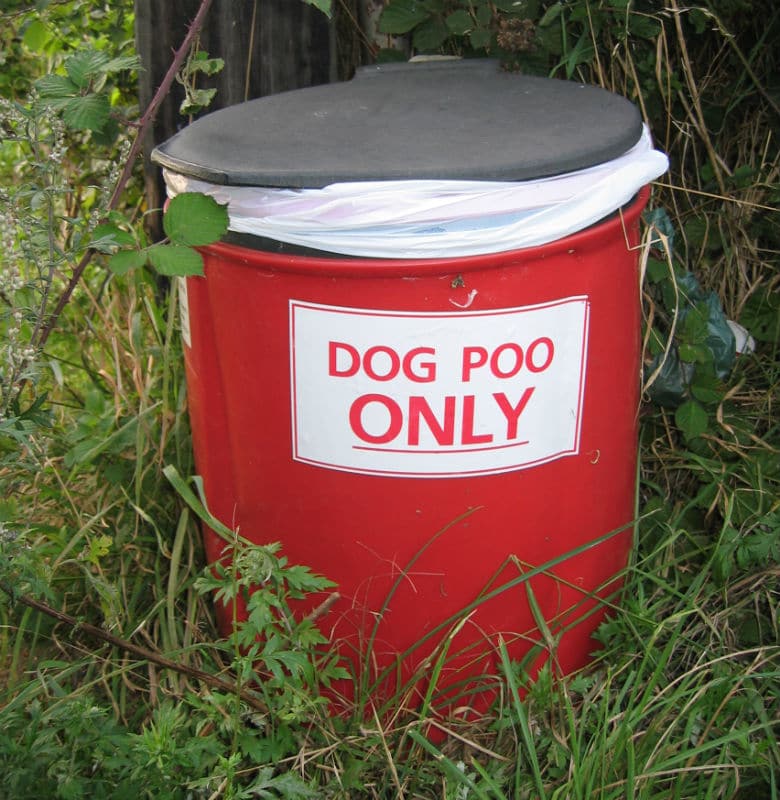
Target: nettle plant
{"x":191,"y":220}
{"x":36,"y":235}
{"x":55,"y":218}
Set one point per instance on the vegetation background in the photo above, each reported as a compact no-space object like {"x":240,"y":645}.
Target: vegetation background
{"x":114,"y":680}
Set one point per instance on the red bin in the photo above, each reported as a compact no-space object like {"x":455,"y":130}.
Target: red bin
{"x":451,"y":438}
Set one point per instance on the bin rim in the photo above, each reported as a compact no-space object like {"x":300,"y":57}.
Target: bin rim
{"x":337,"y":265}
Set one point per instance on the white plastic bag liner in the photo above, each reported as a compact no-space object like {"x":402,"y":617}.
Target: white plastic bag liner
{"x":434,"y":219}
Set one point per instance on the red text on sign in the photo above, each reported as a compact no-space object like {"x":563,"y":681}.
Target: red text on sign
{"x":455,"y":425}
{"x":508,"y":359}
{"x":381,"y":363}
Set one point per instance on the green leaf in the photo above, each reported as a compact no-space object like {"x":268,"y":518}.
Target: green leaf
{"x":401,"y":16}
{"x":552,"y":13}
{"x":107,"y":237}
{"x":89,"y":113}
{"x":208,"y":66}
{"x":123,"y":63}
{"x":196,"y":100}
{"x":460,"y":22}
{"x":86,"y":65}
{"x":35,"y":36}
{"x":695,"y":353}
{"x":691,"y":419}
{"x":484,"y":16}
{"x":195,"y":219}
{"x":657,"y":270}
{"x":761,"y":315}
{"x":706,"y":388}
{"x":107,"y":135}
{"x":644,"y":27}
{"x":694,"y":327}
{"x":550,"y":39}
{"x":581,"y":53}
{"x":176,"y":259}
{"x":326,"y":6}
{"x":55,"y":86}
{"x":125,"y":260}
{"x":480,"y":39}
{"x":430,"y":35}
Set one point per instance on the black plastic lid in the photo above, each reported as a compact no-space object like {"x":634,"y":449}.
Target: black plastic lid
{"x":453,"y":120}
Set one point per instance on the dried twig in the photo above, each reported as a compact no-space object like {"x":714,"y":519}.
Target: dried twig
{"x":140,"y":652}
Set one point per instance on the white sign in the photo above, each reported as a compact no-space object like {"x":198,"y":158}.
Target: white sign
{"x":437,"y":394}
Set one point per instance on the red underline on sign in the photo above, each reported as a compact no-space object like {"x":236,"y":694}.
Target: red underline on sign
{"x":437,"y":452}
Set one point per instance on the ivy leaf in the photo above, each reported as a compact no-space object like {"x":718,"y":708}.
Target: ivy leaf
{"x":175,"y":260}
{"x":125,"y":260}
{"x":401,"y":16}
{"x":691,"y":419}
{"x":89,"y":113}
{"x":195,"y":219}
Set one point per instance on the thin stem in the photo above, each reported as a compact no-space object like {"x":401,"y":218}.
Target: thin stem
{"x":136,"y":650}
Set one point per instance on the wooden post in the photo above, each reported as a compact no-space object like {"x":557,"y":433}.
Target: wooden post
{"x":268,"y":46}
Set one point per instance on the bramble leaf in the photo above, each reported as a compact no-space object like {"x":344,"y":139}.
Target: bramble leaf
{"x":460,"y":22}
{"x":691,"y":419}
{"x":88,"y":113}
{"x":125,"y":260}
{"x":54,"y":87}
{"x":86,"y":65}
{"x":401,"y":16}
{"x":175,"y":259}
{"x":195,"y":219}
{"x":430,"y":35}
{"x":107,"y":238}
